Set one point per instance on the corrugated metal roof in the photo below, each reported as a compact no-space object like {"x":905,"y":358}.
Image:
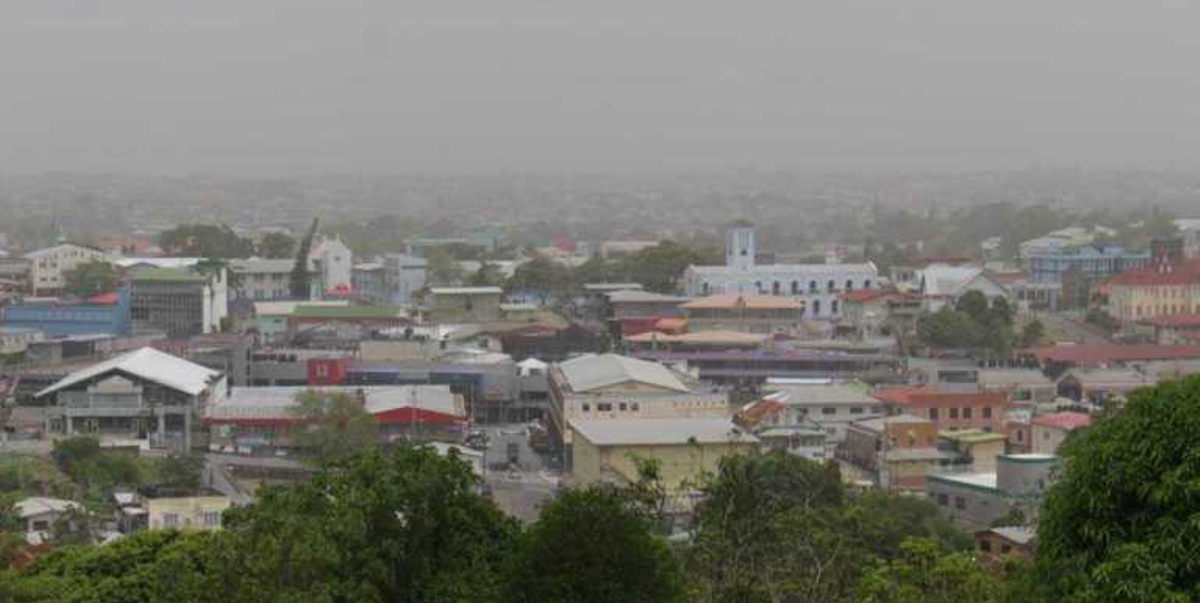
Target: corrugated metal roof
{"x":593,"y":371}
{"x":148,"y":364}
{"x":660,"y":432}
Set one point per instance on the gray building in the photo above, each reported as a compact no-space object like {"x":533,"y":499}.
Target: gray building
{"x":145,"y":395}
{"x":975,"y":499}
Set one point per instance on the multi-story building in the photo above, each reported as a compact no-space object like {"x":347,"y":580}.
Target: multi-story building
{"x":975,"y":499}
{"x":608,"y":387}
{"x":48,"y":267}
{"x":608,"y":450}
{"x":755,"y":366}
{"x":180,"y":302}
{"x":781,"y":428}
{"x":832,"y":406}
{"x":333,"y":261}
{"x":143,"y":395}
{"x":1049,"y":431}
{"x":896,"y":451}
{"x":745,"y":313}
{"x":816,"y":286}
{"x":265,"y":280}
{"x":403,"y":276}
{"x":1161,"y":290}
{"x":949,"y":409}
{"x":106,"y":317}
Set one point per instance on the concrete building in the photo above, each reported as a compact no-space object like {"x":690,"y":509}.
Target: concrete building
{"x":177,"y":301}
{"x":47,"y":267}
{"x":1159,"y":290}
{"x":464,"y":304}
{"x":38,"y":514}
{"x":609,"y":387}
{"x":949,"y":409}
{"x":832,"y":406}
{"x":1021,"y":385}
{"x":896,"y":452}
{"x":15,"y":340}
{"x":270,"y":319}
{"x":1078,"y":267}
{"x":144,"y":395}
{"x":941,"y":285}
{"x":1051,"y":430}
{"x":403,"y":277}
{"x":976,"y":499}
{"x":186,"y":512}
{"x":333,"y":261}
{"x":745,"y":313}
{"x":265,"y":280}
{"x":69,"y":320}
{"x":606,"y":449}
{"x":769,"y":420}
{"x":816,"y":286}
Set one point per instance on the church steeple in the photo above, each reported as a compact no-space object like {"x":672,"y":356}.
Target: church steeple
{"x":739,"y":245}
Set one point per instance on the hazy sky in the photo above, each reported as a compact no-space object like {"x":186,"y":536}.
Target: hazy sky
{"x":276,"y":86}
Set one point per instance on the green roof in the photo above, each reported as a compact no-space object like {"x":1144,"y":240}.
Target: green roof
{"x":363,"y":312}
{"x":167,"y":275}
{"x":971,"y":436}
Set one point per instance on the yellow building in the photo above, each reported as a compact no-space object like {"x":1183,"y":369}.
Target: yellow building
{"x":606,"y":450}
{"x":186,"y":512}
{"x":1161,"y":290}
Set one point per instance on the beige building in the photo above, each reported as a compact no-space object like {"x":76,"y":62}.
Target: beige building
{"x":464,"y":304}
{"x":1049,"y":431}
{"x":975,"y":447}
{"x":1159,"y":290}
{"x":610,"y":387}
{"x":606,"y":451}
{"x":745,"y":313}
{"x":186,"y":512}
{"x":48,"y":266}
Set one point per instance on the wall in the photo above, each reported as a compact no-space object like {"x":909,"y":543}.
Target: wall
{"x":679,"y":463}
{"x":186,"y":513}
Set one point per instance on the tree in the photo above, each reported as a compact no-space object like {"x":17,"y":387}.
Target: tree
{"x":276,"y":245}
{"x":442,"y":268}
{"x":780,"y":528}
{"x":542,"y":276}
{"x":334,"y":425}
{"x":925,"y":573}
{"x":948,"y":328}
{"x":972,"y":303}
{"x":594,"y":546}
{"x":182,"y":472}
{"x":488,"y":275}
{"x":404,"y":525}
{"x":1119,"y":524}
{"x":91,"y":278}
{"x":1033,"y":334}
{"x":205,"y":241}
{"x":660,"y":267}
{"x":300,"y":282}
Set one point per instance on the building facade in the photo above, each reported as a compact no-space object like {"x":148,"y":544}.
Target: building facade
{"x":177,"y":301}
{"x":47,"y":267}
{"x":816,"y":286}
{"x":1155,"y":291}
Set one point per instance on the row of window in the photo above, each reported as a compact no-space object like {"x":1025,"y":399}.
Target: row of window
{"x":608,"y":407}
{"x":209,"y":519}
{"x":955,"y":413}
{"x":777,"y":287}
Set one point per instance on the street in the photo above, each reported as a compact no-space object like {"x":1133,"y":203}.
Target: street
{"x":522,"y":490}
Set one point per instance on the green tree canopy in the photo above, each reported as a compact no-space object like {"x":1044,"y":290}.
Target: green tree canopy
{"x":594,"y":546}
{"x":205,"y":241}
{"x":1120,"y":524}
{"x":300,"y":280}
{"x":92,"y":278}
{"x":926,"y":573}
{"x":276,"y":246}
{"x":542,"y":275}
{"x":334,"y":425}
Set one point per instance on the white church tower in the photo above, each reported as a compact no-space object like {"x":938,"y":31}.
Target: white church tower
{"x":739,"y":245}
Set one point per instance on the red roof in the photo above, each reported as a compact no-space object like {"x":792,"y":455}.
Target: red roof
{"x":106,"y":299}
{"x":1175,"y":320}
{"x":1063,"y":420}
{"x":1103,"y":353}
{"x":927,"y":396}
{"x":866,"y":295}
{"x":1186,"y":272}
{"x":755,"y":412}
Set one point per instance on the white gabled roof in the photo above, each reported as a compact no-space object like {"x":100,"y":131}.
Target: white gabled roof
{"x":590,"y":372}
{"x":39,"y":505}
{"x":148,"y":364}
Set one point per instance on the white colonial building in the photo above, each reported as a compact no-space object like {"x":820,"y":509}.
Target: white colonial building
{"x":816,"y":285}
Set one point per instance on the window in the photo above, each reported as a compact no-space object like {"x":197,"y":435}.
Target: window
{"x":829,"y":410}
{"x":212,"y":518}
{"x":856,"y":410}
{"x":830,"y":286}
{"x":170,"y":520}
{"x":812,"y":286}
{"x":967,"y":412}
{"x":1045,"y":435}
{"x":985,"y":546}
{"x":849,"y":285}
{"x":585,"y":407}
{"x":833,"y":307}
{"x":867,"y":284}
{"x":960,"y":502}
{"x":953,"y":413}
{"x":604,"y":407}
{"x":933,"y":414}
{"x":623,"y":406}
{"x":943,"y":500}
{"x":987,"y":412}
{"x":636,"y":407}
{"x":776,"y":288}
{"x":1020,"y":435}
{"x":795,"y":287}
{"x":816,"y":307}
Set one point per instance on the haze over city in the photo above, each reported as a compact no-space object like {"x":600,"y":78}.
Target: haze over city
{"x":278,"y":87}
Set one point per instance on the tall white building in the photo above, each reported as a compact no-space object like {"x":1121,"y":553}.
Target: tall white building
{"x":48,"y":266}
{"x":334,"y":261}
{"x":817,"y":285}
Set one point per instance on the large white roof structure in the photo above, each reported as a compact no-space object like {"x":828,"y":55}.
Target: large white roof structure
{"x":148,"y":364}
{"x":39,"y":505}
{"x":592,"y":371}
{"x":660,"y":432}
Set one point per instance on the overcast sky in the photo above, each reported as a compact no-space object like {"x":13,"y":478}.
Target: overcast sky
{"x":287,"y":86}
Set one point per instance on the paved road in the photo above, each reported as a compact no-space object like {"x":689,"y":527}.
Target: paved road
{"x":1073,"y":327}
{"x":523,"y":490}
